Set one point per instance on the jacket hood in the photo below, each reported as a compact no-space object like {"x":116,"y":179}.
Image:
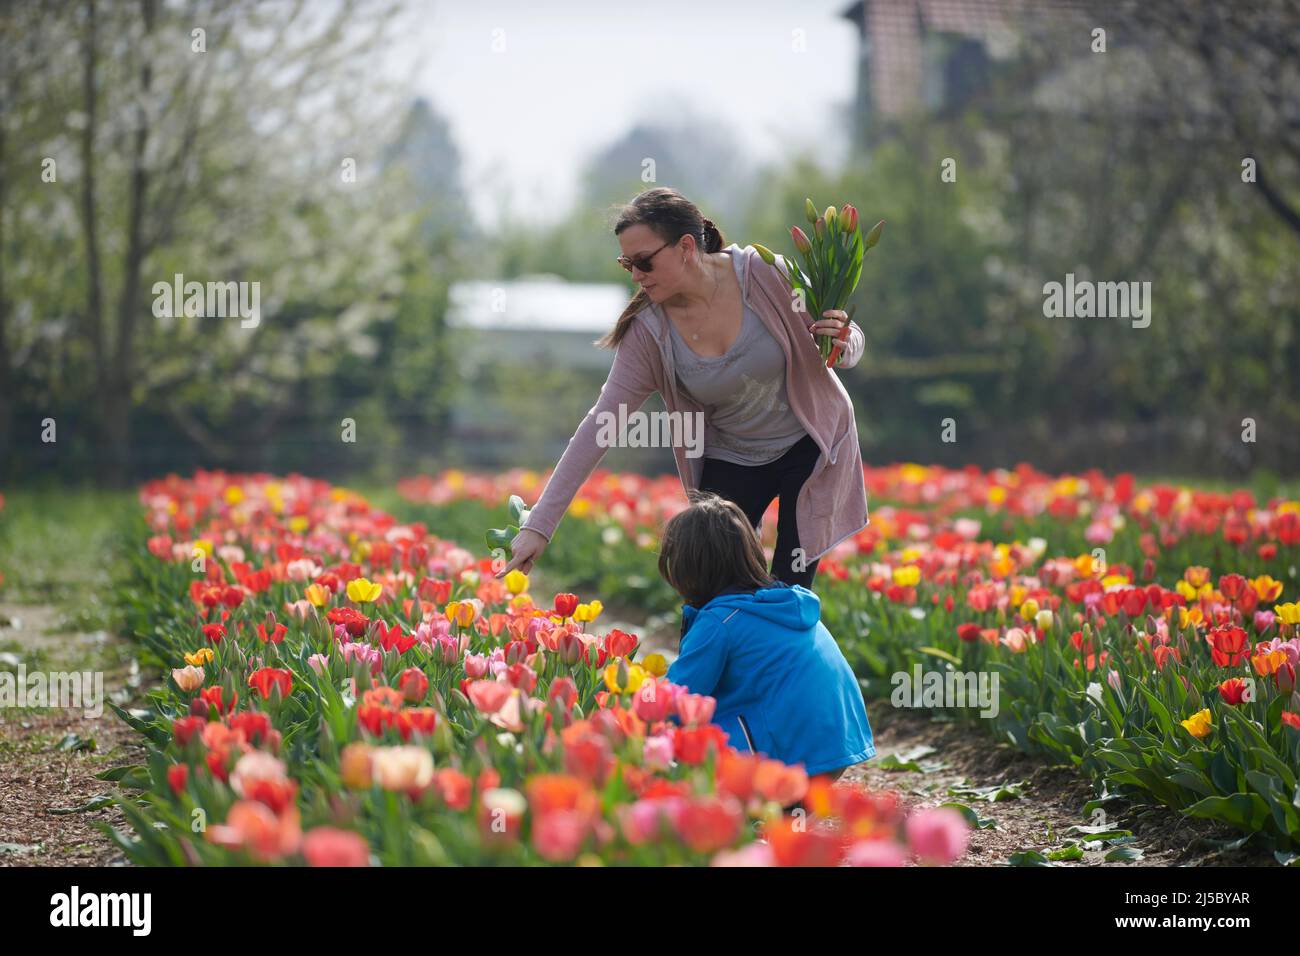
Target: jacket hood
{"x":791,"y":606}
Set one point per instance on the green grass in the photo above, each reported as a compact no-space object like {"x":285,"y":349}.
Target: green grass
{"x":60,"y":547}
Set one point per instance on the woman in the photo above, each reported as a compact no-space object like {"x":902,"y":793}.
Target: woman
{"x":715,"y":331}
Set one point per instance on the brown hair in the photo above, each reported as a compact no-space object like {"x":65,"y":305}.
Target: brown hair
{"x":709,"y":547}
{"x":670,"y":215}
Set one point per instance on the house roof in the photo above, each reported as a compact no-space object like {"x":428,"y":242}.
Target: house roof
{"x":536,"y":303}
{"x":895,"y":29}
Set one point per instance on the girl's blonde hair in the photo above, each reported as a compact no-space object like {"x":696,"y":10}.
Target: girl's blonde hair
{"x":709,"y":547}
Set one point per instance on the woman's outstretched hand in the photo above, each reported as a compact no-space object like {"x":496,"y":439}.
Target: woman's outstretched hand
{"x":525,"y":549}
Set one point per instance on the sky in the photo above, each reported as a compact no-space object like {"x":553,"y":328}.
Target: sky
{"x":570,"y":76}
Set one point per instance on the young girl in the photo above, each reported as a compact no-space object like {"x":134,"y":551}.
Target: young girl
{"x":758,"y":646}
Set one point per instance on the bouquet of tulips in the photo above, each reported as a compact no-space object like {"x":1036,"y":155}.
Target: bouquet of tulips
{"x":834,"y":261}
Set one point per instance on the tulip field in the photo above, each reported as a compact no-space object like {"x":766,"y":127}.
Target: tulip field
{"x":1148,"y":635}
{"x":340,"y":684}
{"x":342,"y":688}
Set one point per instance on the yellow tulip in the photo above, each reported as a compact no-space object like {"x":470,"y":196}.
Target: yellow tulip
{"x":363,"y":592}
{"x":234,"y":495}
{"x":1029,"y":610}
{"x":200,"y":657}
{"x":907,"y":576}
{"x":656,"y":664}
{"x":298,"y":524}
{"x":1267,"y":588}
{"x":461,"y":612}
{"x":204,"y":545}
{"x":317,"y":594}
{"x":1198,"y":725}
{"x":622,"y":677}
{"x":516,"y":582}
{"x":1190,"y":617}
{"x":1288,"y":613}
{"x":588,"y":612}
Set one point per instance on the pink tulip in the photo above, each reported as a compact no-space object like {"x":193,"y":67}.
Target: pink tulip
{"x":654,"y":700}
{"x":330,"y":846}
{"x":476,"y":666}
{"x":657,"y":752}
{"x":752,"y":854}
{"x":876,"y":853}
{"x":642,"y":822}
{"x":695,"y":708}
{"x":938,"y":835}
{"x":559,"y":834}
{"x":489,"y":696}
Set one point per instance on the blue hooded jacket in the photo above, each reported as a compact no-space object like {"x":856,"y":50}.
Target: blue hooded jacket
{"x":783,"y":687}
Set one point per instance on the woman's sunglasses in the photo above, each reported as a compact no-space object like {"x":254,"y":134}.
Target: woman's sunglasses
{"x":642,"y":262}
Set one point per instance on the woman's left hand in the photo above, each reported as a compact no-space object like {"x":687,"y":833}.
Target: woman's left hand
{"x":833,"y":320}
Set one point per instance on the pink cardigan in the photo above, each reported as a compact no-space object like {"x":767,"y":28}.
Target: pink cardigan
{"x":832,"y":504}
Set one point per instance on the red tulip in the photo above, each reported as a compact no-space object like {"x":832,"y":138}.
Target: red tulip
{"x":801,"y":241}
{"x":849,"y":218}
{"x":184,"y":728}
{"x":212,"y":697}
{"x":1233,"y":690}
{"x":267,"y":679}
{"x":416,"y":720}
{"x":691,"y":745}
{"x":564,"y":690}
{"x":620,"y":644}
{"x":707,"y":824}
{"x":178,"y":774}
{"x":796,"y":844}
{"x":253,"y":724}
{"x":1284,"y":677}
{"x":1233,"y":587}
{"x":1228,"y":645}
{"x":566,"y":604}
{"x":276,"y":636}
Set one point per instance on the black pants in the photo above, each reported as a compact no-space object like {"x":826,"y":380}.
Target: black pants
{"x":754,"y":486}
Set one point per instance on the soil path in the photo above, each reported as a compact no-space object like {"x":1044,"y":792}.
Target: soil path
{"x":49,"y":756}
{"x":960,"y":763}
